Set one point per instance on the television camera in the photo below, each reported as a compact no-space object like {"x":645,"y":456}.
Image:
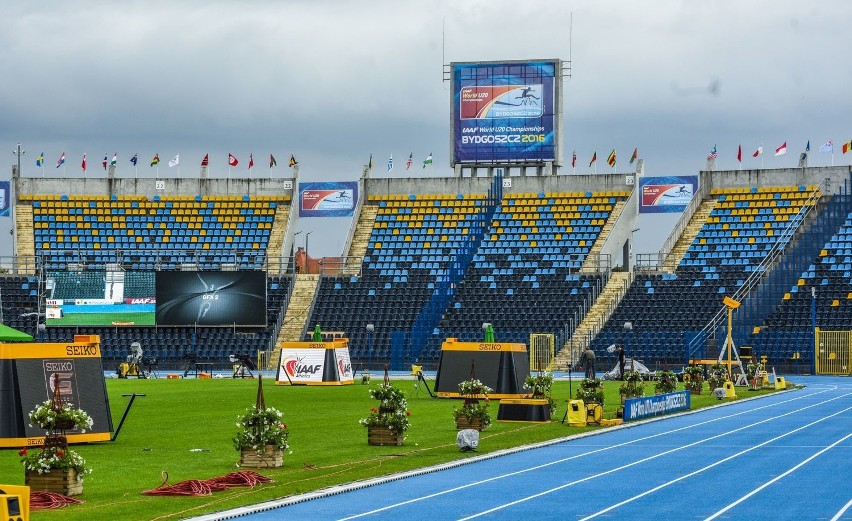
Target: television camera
{"x":243,"y":366}
{"x":130,"y":367}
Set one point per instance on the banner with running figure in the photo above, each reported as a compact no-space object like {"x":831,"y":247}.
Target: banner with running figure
{"x":666,"y":194}
{"x":327,"y":199}
{"x":5,"y":190}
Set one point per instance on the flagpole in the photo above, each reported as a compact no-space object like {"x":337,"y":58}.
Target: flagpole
{"x":136,"y":171}
{"x":157,"y":173}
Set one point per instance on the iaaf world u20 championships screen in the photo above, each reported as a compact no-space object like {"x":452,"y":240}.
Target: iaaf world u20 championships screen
{"x":504,"y":111}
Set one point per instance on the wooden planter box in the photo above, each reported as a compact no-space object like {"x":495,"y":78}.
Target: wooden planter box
{"x":463,"y":423}
{"x":65,"y":482}
{"x":383,"y":436}
{"x":270,"y":457}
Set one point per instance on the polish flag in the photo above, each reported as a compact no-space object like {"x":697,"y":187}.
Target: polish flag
{"x":780,"y":151}
{"x":758,"y":152}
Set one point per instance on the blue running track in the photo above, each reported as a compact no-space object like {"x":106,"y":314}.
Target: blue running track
{"x":784,"y":456}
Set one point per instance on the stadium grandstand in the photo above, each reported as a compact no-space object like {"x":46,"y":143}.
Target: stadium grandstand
{"x":430,"y":259}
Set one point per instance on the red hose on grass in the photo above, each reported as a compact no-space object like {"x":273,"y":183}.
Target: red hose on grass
{"x":40,"y":500}
{"x":196,"y":487}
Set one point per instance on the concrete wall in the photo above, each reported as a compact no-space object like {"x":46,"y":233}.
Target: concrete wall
{"x":148,"y":186}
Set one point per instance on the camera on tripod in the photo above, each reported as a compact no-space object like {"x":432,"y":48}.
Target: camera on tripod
{"x":244,"y":366}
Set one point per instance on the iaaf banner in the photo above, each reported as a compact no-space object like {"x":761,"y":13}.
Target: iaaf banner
{"x":327,"y":199}
{"x":308,"y":366}
{"x":5,"y":190}
{"x":666,"y":194}
{"x":504,"y":111}
{"x":635,"y":408}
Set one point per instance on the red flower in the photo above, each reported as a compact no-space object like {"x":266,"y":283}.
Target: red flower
{"x":22,"y":452}
{"x":408,"y":413}
{"x":60,"y":454}
{"x":373,"y":410}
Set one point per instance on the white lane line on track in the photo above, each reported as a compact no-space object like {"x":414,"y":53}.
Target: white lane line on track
{"x":842,"y":511}
{"x":563,"y":460}
{"x":715,"y":464}
{"x":643,"y":460}
{"x":773,"y":480}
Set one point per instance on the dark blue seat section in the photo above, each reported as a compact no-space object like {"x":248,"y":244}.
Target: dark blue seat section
{"x":666,"y":310}
{"x":524,"y":277}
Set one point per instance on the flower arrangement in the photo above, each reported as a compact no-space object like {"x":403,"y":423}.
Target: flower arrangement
{"x":259,"y":427}
{"x":472,"y":390}
{"x":540,"y":386}
{"x":693,"y":378}
{"x":591,"y":391}
{"x":632,"y":386}
{"x":717,"y":376}
{"x":51,"y":418}
{"x":666,"y":382}
{"x":392,"y":412}
{"x":43,"y":460}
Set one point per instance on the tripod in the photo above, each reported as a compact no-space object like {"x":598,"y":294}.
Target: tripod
{"x":244,"y":366}
{"x":421,"y":379}
{"x":150,"y":365}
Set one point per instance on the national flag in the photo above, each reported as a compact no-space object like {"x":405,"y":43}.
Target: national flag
{"x":175,"y":161}
{"x":61,"y":160}
{"x":104,"y":162}
{"x":370,"y":163}
{"x":847,"y":146}
{"x":272,"y":161}
{"x":232,"y":161}
{"x":574,"y":159}
{"x":293,"y":161}
{"x":739,"y":153}
{"x":156,"y":160}
{"x":251,"y":161}
{"x":83,"y":164}
{"x":808,"y":146}
{"x":114,"y":159}
{"x":206,"y":160}
{"x":40,"y":159}
{"x":611,"y":158}
{"x":780,"y":151}
{"x":409,"y":161}
{"x":428,"y":160}
{"x":594,"y":158}
{"x":827,"y":147}
{"x":713,"y":154}
{"x":635,"y":155}
{"x":758,"y":152}
{"x":390,"y":163}
{"x":803,"y":157}
{"x":134,"y":159}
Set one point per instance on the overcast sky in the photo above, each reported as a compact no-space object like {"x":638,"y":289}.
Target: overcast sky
{"x":334,"y":81}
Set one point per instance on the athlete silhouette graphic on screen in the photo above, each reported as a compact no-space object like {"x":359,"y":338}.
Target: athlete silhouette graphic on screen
{"x":210,"y":294}
{"x":527,"y":96}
